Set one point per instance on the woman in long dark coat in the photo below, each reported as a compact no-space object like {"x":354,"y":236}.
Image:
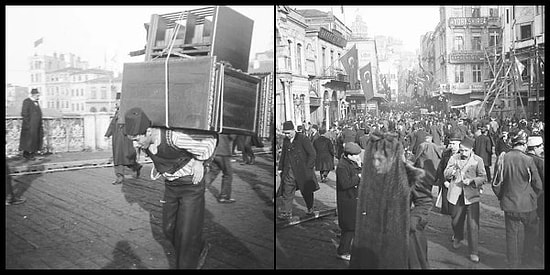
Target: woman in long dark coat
{"x":348,"y":177}
{"x":124,"y":153}
{"x":31,"y":127}
{"x":324,"y":162}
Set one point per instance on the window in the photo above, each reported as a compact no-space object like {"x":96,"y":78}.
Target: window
{"x":493,"y":37}
{"x":537,"y":10}
{"x":93,"y":93}
{"x":459,"y":74}
{"x":476,"y":12}
{"x":289,"y":60}
{"x":525,"y":32}
{"x":476,"y":73}
{"x":323,"y":59}
{"x":103,"y":92}
{"x":493,"y":12}
{"x":459,"y":43}
{"x":339,"y":57}
{"x":507,"y":16}
{"x":299,"y":58}
{"x":476,"y":42}
{"x":332,"y":58}
{"x":57,"y":91}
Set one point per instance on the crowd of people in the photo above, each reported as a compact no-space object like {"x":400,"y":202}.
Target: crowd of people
{"x":451,"y":152}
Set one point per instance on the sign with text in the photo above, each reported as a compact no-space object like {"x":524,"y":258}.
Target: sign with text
{"x":332,"y":37}
{"x":467,"y":21}
{"x":466,"y":57}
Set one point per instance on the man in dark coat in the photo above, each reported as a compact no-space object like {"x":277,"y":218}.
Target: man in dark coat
{"x":521,"y":185}
{"x":535,"y":149}
{"x":452,"y":148}
{"x":427,"y":157}
{"x":324,"y":162}
{"x":418,"y":137}
{"x":31,"y":126}
{"x":296,"y":168}
{"x":124,"y":153}
{"x":483,"y":147}
{"x":389,"y":234}
{"x":348,"y":177}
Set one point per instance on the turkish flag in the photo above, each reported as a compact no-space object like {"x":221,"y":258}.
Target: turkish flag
{"x":349,"y":61}
{"x":366,"y":81}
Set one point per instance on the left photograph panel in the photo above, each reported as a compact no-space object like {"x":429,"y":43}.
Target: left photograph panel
{"x":140,"y":137}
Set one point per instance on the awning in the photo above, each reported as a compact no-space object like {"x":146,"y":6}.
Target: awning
{"x":472,"y":103}
{"x":336,"y":85}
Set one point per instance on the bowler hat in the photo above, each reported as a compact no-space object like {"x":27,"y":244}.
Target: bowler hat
{"x":34,"y":91}
{"x":352,"y":148}
{"x":467,"y":142}
{"x":136,"y":122}
{"x":288,"y":125}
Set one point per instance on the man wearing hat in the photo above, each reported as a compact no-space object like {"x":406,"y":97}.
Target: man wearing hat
{"x":31,"y":126}
{"x":180,"y":157}
{"x":521,"y":185}
{"x":452,"y":148}
{"x":466,"y":174}
{"x":535,"y":149}
{"x":296,"y":165}
{"x":313,"y":133}
{"x":348,"y":177}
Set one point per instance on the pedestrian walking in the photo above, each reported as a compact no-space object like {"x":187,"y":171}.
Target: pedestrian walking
{"x":324,"y":161}
{"x":389,"y":234}
{"x":32,"y":132}
{"x":245,"y":144}
{"x":466,"y":173}
{"x":519,"y":185}
{"x":348,"y":177}
{"x":313,"y":133}
{"x":180,"y":157}
{"x":535,"y":149}
{"x":222,"y":163}
{"x":483,"y":147}
{"x":452,"y":149}
{"x":124,"y":153}
{"x":296,"y":168}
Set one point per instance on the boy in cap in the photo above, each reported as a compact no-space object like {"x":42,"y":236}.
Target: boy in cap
{"x":466,"y":173}
{"x":180,"y":157}
{"x":348,"y":177}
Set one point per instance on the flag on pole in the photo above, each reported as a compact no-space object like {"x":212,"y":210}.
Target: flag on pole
{"x":366,"y":81}
{"x":519,"y":66}
{"x":532,"y":72}
{"x":38,"y":42}
{"x":349,"y":61}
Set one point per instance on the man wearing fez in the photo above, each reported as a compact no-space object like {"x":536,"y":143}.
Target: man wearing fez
{"x":296,"y":166}
{"x":466,"y":173}
{"x":31,"y":127}
{"x":124,"y":153}
{"x":180,"y":157}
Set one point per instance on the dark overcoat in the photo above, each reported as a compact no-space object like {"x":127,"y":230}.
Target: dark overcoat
{"x":325,"y":154}
{"x":347,"y":183}
{"x":124,"y":152}
{"x":300,"y":154}
{"x":440,"y":179}
{"x":32,"y":132}
{"x":483,"y":147}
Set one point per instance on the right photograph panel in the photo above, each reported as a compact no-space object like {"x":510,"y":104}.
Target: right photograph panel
{"x":402,"y":134}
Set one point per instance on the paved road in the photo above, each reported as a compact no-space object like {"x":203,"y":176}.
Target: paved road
{"x":312,"y":244}
{"x":77,"y":219}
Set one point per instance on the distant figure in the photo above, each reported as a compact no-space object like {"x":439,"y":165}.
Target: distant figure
{"x":31,"y":127}
{"x":324,"y":161}
{"x":245,"y":145}
{"x":124,"y":153}
{"x":222,"y":162}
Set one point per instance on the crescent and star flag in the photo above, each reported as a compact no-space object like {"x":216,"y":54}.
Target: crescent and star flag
{"x":349,"y":61}
{"x":366,"y":81}
{"x":520,"y":67}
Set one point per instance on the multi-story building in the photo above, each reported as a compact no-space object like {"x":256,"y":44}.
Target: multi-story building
{"x":523,"y":38}
{"x":459,"y":40}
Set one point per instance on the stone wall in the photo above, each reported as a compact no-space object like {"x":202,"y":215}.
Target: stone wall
{"x":69,"y":133}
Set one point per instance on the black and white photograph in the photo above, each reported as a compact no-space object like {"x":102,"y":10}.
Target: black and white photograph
{"x":139,"y":137}
{"x":414,"y":135}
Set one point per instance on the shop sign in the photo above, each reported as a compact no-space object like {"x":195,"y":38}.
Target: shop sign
{"x":466,"y":57}
{"x":332,"y":37}
{"x":467,"y":21}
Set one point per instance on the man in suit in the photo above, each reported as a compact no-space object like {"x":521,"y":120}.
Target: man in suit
{"x":296,"y":168}
{"x":521,"y":185}
{"x":222,"y":162}
{"x":483,"y":147}
{"x":466,"y":173}
{"x":31,"y":127}
{"x":535,"y":149}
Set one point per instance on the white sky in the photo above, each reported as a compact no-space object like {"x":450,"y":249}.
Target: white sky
{"x":92,"y":32}
{"x":406,"y":23}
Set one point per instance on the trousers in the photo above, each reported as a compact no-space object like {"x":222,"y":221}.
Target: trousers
{"x":289,"y":189}
{"x":512,"y":222}
{"x":183,"y":219}
{"x":221,"y":164}
{"x":461,"y":213}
